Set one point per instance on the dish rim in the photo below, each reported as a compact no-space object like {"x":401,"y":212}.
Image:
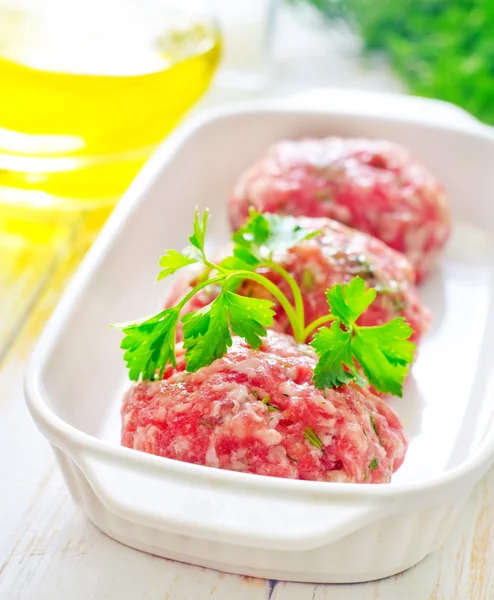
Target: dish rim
{"x":68,"y":437}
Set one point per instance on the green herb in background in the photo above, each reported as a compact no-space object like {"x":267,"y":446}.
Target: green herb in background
{"x":440,"y":48}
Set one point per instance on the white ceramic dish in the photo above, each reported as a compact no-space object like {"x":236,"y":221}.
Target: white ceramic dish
{"x":260,"y":526}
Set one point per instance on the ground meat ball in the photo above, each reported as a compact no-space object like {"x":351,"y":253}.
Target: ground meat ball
{"x":336,"y":255}
{"x":373,"y":185}
{"x":253,"y":411}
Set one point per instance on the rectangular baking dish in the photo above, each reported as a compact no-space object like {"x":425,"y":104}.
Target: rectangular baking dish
{"x":262,"y":526}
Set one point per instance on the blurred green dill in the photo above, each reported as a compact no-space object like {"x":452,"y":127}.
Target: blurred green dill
{"x":440,"y":48}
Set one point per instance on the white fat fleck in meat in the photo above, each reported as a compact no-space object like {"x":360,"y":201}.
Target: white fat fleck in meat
{"x":249,"y":366}
{"x":415,"y":240}
{"x":242,"y":424}
{"x":239,"y":394}
{"x":162,"y":413}
{"x":274,"y":418}
{"x":355,"y":434}
{"x":270,"y":437}
{"x":389,"y":227}
{"x":357,"y":444}
{"x":338,"y":477}
{"x":222,"y":387}
{"x":289,"y":388}
{"x":146,"y":436}
{"x":399,"y":444}
{"x":325,"y":404}
{"x":181,"y":407}
{"x":341,"y":213}
{"x":239,"y":460}
{"x":427,"y":262}
{"x":258,"y":187}
{"x":126,"y":418}
{"x":239,"y":428}
{"x":277,"y":454}
{"x":181,"y":444}
{"x":212,"y":459}
{"x":328,"y":438}
{"x":181,"y":376}
{"x":316,"y":269}
{"x":235,"y":395}
{"x":354,"y":245}
{"x":330,"y":409}
{"x":409,"y":193}
{"x":216,"y":410}
{"x":315,"y":452}
{"x":290,"y":370}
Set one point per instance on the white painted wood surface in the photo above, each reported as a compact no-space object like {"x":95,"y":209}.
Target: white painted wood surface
{"x":49,"y":550}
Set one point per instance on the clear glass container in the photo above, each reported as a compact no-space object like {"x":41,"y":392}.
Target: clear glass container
{"x":89,"y":88}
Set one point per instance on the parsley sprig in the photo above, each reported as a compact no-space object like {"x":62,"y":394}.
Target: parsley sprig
{"x":347,"y":352}
{"x":383,"y":352}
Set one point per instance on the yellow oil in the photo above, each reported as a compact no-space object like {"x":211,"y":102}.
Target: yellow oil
{"x":85,"y":97}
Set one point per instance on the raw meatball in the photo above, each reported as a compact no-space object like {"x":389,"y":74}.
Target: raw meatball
{"x":336,"y":255}
{"x":373,"y":185}
{"x":259,"y":412}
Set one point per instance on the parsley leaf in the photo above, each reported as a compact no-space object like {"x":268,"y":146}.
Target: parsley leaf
{"x":250,"y":238}
{"x":172,"y":261}
{"x":285,"y":232}
{"x":197,"y":239}
{"x":264,"y":234}
{"x":347,"y":302}
{"x":234,"y":263}
{"x":150,"y":345}
{"x":249,"y":317}
{"x":207,"y":331}
{"x":392,"y":338}
{"x":206,"y":334}
{"x":383,"y":352}
{"x":335,"y":366}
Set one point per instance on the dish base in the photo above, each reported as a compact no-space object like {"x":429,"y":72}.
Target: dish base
{"x":393,"y":540}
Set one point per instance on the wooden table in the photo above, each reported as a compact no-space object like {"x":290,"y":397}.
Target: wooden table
{"x":49,"y":550}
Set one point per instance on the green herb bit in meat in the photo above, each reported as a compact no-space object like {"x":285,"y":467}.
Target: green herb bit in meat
{"x":311,"y":436}
{"x":374,"y":464}
{"x":398,"y":301}
{"x":363,"y":268}
{"x":308,"y":280}
{"x":373,"y":423}
{"x":271,"y":407}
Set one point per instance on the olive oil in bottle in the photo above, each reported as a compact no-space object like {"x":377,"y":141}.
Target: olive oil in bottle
{"x":88,"y":89}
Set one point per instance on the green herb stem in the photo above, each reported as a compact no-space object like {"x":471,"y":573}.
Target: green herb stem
{"x":199,"y":287}
{"x":214,"y":266}
{"x":296,"y":292}
{"x":315,"y":324}
{"x":297,"y":325}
